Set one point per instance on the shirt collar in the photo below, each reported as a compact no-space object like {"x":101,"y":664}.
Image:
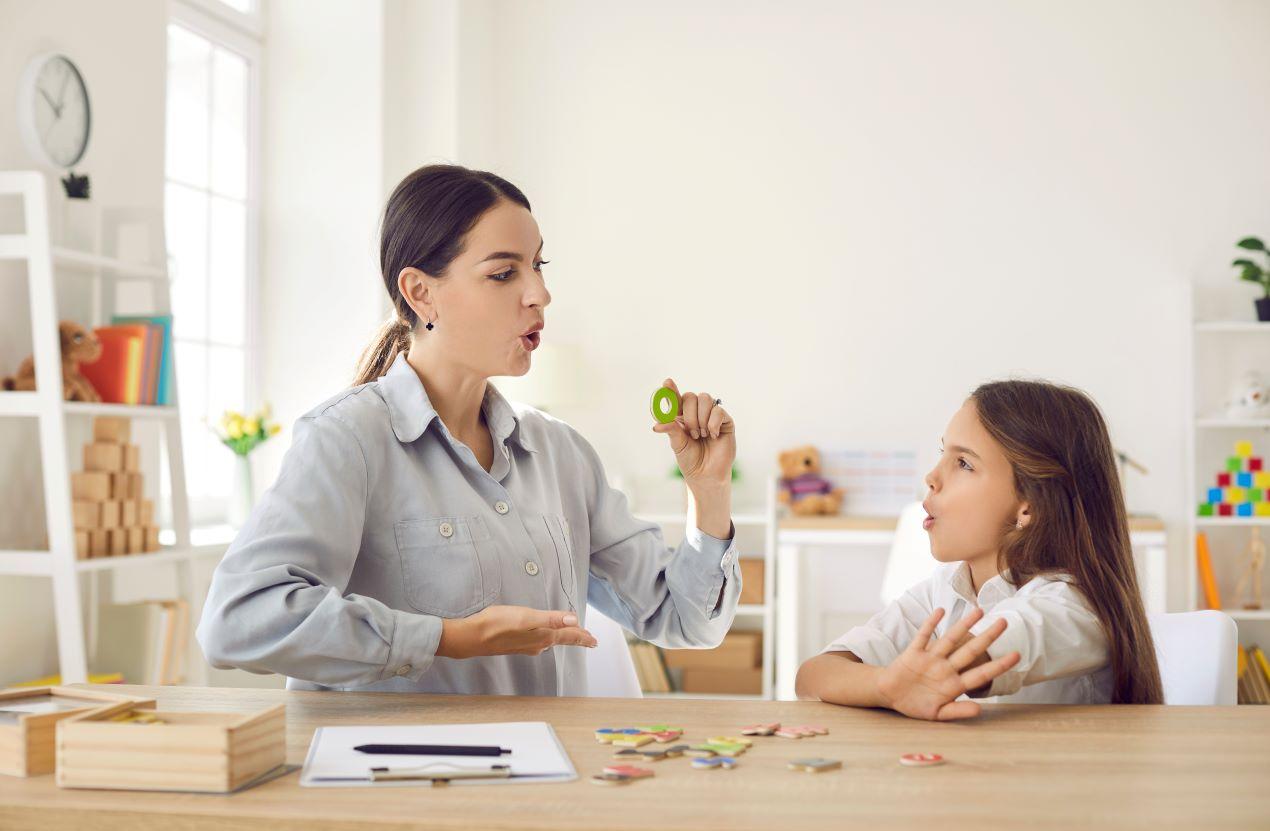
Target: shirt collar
{"x":993,"y":590}
{"x":410,"y":410}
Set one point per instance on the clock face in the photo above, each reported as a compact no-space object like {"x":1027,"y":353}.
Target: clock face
{"x":58,"y":110}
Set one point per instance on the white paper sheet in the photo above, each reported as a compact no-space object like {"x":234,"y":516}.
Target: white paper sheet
{"x":537,"y":755}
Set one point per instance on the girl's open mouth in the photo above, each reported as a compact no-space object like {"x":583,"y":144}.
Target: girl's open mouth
{"x":928,"y":522}
{"x":531,"y":341}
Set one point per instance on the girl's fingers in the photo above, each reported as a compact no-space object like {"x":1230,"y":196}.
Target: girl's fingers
{"x":922,"y":639}
{"x":958,"y":709}
{"x":975,"y":678}
{"x":715,"y":427}
{"x":973,"y":648}
{"x":688,"y":409}
{"x":945,"y":645}
{"x":705,"y":403}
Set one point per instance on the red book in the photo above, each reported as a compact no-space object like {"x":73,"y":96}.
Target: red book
{"x":118,"y":368}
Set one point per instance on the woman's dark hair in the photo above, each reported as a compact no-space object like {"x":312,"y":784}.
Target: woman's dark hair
{"x":1065,"y":469}
{"x":426,"y":221}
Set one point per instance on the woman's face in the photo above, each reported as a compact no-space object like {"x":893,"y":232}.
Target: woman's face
{"x":489,"y":310}
{"x":972,"y":502}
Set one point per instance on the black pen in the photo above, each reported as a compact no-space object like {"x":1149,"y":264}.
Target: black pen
{"x":432,"y":749}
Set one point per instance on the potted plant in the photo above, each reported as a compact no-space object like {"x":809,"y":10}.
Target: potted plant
{"x":243,"y":434}
{"x":1254,"y":273}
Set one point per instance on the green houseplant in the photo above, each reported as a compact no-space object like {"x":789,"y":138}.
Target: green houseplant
{"x":1254,"y":273}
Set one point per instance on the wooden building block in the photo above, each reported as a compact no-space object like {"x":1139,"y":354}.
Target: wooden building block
{"x":128,"y":513}
{"x":131,"y":458}
{"x":103,"y":456}
{"x":152,"y":538}
{"x":118,"y":486}
{"x":145,"y":513}
{"x":118,"y":541}
{"x":136,"y":540}
{"x":110,"y":513}
{"x":86,"y":514}
{"x":91,"y":485}
{"x":82,"y":551}
{"x":136,"y":485}
{"x":99,"y":543}
{"x":112,"y":429}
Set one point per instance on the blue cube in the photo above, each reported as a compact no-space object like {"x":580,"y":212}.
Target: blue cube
{"x":1244,"y":509}
{"x":1214,"y":496}
{"x":1243,"y":480}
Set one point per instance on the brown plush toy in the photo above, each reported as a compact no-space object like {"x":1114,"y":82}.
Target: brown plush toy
{"x":79,"y":346}
{"x":802,"y":488}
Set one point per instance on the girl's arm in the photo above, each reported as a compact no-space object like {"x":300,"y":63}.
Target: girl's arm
{"x":926,"y":679}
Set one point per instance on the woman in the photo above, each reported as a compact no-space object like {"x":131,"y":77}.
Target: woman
{"x":425,"y":535}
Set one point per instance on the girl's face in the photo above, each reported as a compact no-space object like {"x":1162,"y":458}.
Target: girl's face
{"x":489,"y":310}
{"x":972,"y":501}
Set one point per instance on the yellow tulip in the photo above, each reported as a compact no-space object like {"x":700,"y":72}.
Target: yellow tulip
{"x":251,"y":427}
{"x":235,"y":430}
{"x":275,"y":429}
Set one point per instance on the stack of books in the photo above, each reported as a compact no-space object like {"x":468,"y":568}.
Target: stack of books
{"x":135,"y":366}
{"x":1254,"y":676}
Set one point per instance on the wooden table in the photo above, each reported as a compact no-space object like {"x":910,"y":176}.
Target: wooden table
{"x":1016,"y":766}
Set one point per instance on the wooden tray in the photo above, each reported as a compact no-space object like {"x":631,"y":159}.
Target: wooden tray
{"x":205,"y":752}
{"x":27,"y":740}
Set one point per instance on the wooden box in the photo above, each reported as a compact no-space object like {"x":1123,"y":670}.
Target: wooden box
{"x":27,"y":738}
{"x":206,"y":752}
{"x":732,"y":681}
{"x":739,"y":650}
{"x":751,"y":581}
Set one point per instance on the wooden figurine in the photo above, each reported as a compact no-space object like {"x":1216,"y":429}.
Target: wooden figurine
{"x":1256,"y":552}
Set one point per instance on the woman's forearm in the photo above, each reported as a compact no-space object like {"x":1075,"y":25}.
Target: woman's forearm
{"x":712,"y":509}
{"x":838,"y":679}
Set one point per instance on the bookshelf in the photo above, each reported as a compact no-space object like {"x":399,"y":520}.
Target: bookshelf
{"x":103,"y":274}
{"x":1221,"y":347}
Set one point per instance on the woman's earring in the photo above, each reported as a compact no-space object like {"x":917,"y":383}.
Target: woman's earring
{"x":428,"y":327}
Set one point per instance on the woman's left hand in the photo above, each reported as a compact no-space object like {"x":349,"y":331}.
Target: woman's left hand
{"x":703,"y":439}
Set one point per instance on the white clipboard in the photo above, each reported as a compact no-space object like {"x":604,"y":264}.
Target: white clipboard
{"x":537,"y":755}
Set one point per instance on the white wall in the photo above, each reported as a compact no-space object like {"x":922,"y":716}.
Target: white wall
{"x":841,"y":217}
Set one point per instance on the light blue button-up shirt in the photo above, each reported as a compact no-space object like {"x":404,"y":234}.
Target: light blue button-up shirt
{"x":381,"y":524}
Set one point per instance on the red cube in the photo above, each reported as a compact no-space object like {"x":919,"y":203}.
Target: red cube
{"x":1254,"y":464}
{"x":1223,"y":480}
{"x":1225,"y":509}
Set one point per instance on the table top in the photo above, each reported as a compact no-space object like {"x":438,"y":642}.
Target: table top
{"x":844,"y":522}
{"x":1039,"y":766}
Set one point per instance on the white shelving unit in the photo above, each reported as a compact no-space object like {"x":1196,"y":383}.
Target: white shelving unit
{"x":1219,"y":350}
{"x":765,"y":612}
{"x":46,"y":405}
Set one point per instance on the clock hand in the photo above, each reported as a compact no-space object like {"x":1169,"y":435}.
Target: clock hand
{"x":61,"y":93}
{"x":57,"y":111}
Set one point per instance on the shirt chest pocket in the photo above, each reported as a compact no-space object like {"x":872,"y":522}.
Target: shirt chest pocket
{"x":550,"y":534}
{"x":448,"y":565}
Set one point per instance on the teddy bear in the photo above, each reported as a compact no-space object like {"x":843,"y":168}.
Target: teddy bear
{"x":1249,"y":397}
{"x":79,"y":346}
{"x":802,"y":488}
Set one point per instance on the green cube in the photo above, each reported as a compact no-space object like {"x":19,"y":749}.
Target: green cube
{"x":1256,"y":495}
{"x":1206,"y":509}
{"x":1234,"y":464}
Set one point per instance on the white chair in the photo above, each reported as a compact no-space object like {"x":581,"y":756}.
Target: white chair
{"x":610,"y":672}
{"x":910,"y":561}
{"x":1196,"y":652}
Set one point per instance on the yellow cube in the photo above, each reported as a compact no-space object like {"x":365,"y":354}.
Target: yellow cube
{"x":1243,"y":449}
{"x":1261,"y":509}
{"x":1261,"y":479}
{"x":1235,"y":495}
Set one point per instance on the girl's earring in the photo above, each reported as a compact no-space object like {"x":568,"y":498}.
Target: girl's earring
{"x":1019,"y":525}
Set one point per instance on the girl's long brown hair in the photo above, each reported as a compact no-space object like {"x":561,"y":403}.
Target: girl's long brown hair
{"x":1064,"y":468}
{"x":425,"y":223}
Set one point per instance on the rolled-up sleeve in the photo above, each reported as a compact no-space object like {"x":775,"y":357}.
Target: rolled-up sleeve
{"x":1054,"y":631}
{"x":880,"y":641}
{"x":277,"y":601}
{"x":677,"y":598}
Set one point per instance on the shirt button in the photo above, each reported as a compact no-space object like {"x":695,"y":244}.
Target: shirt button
{"x":502,"y":507}
{"x":404,"y":669}
{"x":447,"y":530}
{"x":531,"y":568}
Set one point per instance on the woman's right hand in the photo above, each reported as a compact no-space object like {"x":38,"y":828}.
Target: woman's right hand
{"x":926,"y":679}
{"x":510,"y":630}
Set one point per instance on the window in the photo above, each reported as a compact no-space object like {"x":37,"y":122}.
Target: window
{"x":211,"y":210}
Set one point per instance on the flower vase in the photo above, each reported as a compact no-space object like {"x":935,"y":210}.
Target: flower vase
{"x":243,"y":496}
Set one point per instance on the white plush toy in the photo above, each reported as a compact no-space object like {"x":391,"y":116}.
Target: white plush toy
{"x":1250,"y":397}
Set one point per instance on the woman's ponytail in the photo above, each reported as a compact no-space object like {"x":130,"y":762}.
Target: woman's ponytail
{"x":425,"y":223}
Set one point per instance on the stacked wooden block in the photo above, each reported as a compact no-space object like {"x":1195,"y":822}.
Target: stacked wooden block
{"x":111,"y":517}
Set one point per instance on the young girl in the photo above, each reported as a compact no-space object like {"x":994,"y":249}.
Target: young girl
{"x":1036,"y":598}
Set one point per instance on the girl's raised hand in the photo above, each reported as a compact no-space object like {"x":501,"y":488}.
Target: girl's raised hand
{"x":926,"y":679}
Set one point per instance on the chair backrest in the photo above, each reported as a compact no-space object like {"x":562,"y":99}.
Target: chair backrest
{"x":1196,"y":652}
{"x":610,"y":672}
{"x":910,"y":561}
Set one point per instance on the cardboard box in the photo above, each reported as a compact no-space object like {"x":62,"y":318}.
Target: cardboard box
{"x":112,"y":429}
{"x":733,"y":681}
{"x":185,"y":751}
{"x":739,"y":650}
{"x":752,"y":593}
{"x":92,"y":486}
{"x":103,"y":456}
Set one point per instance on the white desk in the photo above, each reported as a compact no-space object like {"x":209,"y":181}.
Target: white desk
{"x":794,"y":534}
